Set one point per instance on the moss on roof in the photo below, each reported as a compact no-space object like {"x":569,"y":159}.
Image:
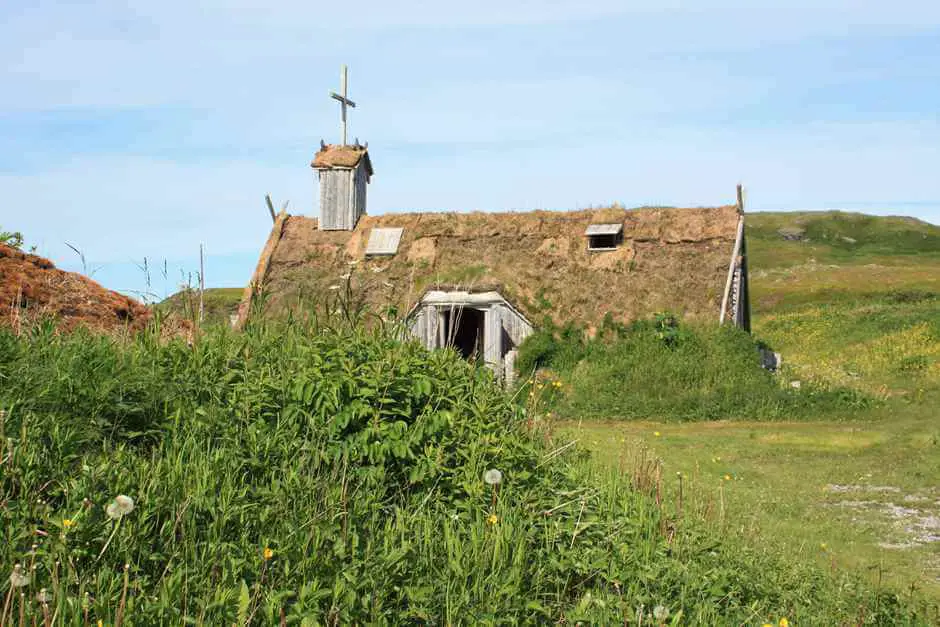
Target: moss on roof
{"x":337,"y":156}
{"x":670,"y":259}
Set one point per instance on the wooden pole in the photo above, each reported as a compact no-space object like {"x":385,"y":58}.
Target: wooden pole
{"x":202,"y":283}
{"x":342,"y":90}
{"x":267,"y":199}
{"x":734,"y":255}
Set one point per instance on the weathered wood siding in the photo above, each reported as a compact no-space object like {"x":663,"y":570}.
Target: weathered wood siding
{"x":342,"y":197}
{"x":360,"y":179}
{"x":504,"y":328}
{"x":493,"y":337}
{"x":517,"y":328}
{"x":335,"y":200}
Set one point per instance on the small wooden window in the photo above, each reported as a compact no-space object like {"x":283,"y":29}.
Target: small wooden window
{"x":604,"y":236}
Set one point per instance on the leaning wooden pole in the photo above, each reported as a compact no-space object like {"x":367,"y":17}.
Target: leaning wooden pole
{"x":738,"y":238}
{"x":202,"y":284}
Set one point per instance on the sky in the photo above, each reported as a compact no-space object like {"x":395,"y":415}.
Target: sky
{"x":142,"y":130}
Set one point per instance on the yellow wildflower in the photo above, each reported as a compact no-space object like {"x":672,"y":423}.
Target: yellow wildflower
{"x":823,"y":546}
{"x":492,"y":519}
{"x":268,"y":553}
{"x":68,"y":523}
{"x":656,"y":433}
{"x":727,"y":477}
{"x":784,"y":622}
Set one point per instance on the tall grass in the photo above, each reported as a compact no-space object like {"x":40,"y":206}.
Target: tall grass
{"x":301,"y":475}
{"x":661,"y":369}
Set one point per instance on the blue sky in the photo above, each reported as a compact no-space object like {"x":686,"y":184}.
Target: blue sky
{"x":133,"y":130}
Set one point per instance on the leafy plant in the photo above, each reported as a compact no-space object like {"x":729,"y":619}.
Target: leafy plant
{"x":299,"y":474}
{"x":13,"y":239}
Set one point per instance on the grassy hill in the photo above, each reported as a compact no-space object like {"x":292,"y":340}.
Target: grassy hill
{"x":220,"y":304}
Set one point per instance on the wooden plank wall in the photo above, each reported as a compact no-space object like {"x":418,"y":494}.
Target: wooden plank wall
{"x":335,"y":210}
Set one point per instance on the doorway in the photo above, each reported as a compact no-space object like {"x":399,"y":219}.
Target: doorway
{"x":463,"y":330}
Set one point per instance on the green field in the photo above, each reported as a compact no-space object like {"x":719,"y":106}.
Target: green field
{"x":856,"y":488}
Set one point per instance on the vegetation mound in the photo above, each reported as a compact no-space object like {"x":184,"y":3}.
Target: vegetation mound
{"x":32,"y":287}
{"x":662,"y":370}
{"x":305,"y":475}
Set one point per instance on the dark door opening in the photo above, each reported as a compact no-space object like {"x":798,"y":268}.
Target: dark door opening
{"x":464,"y":331}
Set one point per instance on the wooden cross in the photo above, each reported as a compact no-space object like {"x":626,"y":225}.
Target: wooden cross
{"x":343,"y":100}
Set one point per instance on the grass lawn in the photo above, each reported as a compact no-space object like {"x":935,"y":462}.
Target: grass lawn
{"x":860,"y":495}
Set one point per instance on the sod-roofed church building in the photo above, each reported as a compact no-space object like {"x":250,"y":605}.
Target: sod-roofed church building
{"x":482,"y":282}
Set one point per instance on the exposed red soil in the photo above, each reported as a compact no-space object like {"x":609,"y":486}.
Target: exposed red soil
{"x":32,"y":287}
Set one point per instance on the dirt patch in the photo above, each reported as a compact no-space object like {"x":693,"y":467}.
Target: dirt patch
{"x":423,"y":250}
{"x":32,"y":287}
{"x":912,"y":524}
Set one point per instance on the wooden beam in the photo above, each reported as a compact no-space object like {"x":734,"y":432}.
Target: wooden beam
{"x":267,"y":199}
{"x":731,"y":268}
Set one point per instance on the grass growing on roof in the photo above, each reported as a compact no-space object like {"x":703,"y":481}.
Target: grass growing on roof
{"x":340,"y":476}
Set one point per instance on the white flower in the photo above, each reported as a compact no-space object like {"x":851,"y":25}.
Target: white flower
{"x":120,"y":506}
{"x":334,"y":287}
{"x":660,"y":613}
{"x":492,"y":477}
{"x":377,"y":269}
{"x":18,"y":579}
{"x":345,"y":276}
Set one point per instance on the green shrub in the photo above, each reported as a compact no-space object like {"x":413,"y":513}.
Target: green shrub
{"x":660,"y":369}
{"x":14,"y":239}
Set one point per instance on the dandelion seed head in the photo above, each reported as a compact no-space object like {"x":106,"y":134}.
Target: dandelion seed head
{"x":18,"y":579}
{"x":43,"y":596}
{"x":492,"y":477}
{"x":120,"y":506}
{"x":660,"y":613}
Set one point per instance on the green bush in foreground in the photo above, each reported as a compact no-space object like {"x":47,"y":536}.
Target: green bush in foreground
{"x":337,"y":478}
{"x":663,"y":370}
